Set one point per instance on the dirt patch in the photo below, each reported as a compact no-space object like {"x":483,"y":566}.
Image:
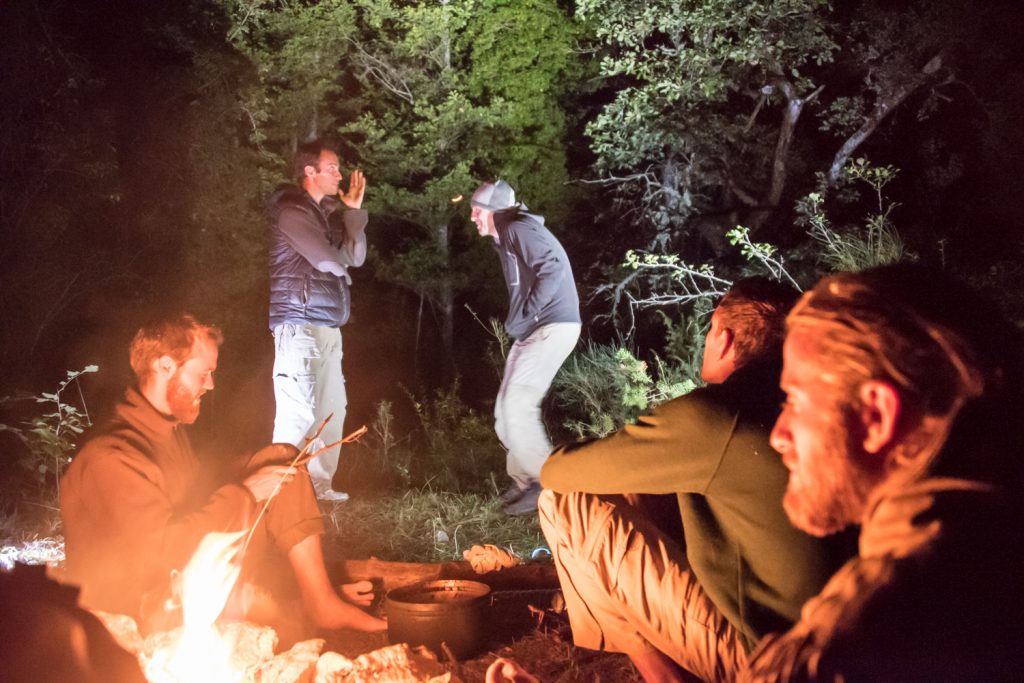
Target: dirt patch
{"x":524,"y":628}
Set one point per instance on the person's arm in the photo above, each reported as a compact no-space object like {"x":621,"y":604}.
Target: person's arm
{"x":675,"y":449}
{"x":306,"y":236}
{"x":352,"y":251}
{"x":133,"y":512}
{"x":545,"y":257}
{"x":353,"y":243}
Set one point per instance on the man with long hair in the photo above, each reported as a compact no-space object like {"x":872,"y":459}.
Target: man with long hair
{"x":903,"y":415}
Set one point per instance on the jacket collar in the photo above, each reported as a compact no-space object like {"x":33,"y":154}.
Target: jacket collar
{"x":139,"y":413}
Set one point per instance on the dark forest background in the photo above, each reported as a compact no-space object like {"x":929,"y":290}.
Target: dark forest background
{"x":139,"y":141}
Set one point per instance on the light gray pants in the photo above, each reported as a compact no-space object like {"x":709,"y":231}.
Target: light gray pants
{"x":529,"y":370}
{"x":309,"y":386}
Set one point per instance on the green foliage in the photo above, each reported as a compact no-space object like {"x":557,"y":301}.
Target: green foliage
{"x":448,"y":96}
{"x":430,"y":526}
{"x":50,"y":437}
{"x":29,"y":503}
{"x":673,"y":133}
{"x":684,"y":346}
{"x":601,"y":388}
{"x":762,"y":254}
{"x":456,"y":448}
{"x":379,"y":462}
{"x":853,"y":248}
{"x":499,"y":344}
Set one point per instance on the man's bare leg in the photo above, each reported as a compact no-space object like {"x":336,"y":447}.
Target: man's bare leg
{"x":322,"y":603}
{"x":657,"y":667}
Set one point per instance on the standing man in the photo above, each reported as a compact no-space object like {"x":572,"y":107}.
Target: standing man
{"x":696,"y":603}
{"x":543,"y":318}
{"x":903,"y":415}
{"x":309,"y":302}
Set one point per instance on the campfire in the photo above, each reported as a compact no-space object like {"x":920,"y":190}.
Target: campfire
{"x":205,"y":650}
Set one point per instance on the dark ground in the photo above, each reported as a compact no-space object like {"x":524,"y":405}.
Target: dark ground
{"x":538,"y":639}
{"x":524,"y":621}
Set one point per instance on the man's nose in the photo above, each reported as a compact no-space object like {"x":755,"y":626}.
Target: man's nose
{"x":208,"y":383}
{"x":780,"y":438}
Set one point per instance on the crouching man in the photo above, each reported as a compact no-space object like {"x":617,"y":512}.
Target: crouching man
{"x":904,"y":416}
{"x":136,"y":500}
{"x":698,"y":603}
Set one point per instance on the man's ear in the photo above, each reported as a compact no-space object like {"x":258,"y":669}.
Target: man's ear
{"x":880,"y":407}
{"x":309,"y":170}
{"x":728,"y":349}
{"x":165,"y":366}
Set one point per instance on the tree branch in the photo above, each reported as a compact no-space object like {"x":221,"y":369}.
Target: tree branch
{"x":883,"y":107}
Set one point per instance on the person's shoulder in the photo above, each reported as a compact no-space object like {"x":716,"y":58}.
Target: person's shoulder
{"x":709,"y":404}
{"x":288,"y":196}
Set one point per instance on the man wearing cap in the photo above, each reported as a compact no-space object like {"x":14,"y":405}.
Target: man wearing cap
{"x":543,"y":318}
{"x":309,"y":302}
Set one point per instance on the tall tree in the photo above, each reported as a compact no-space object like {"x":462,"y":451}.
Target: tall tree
{"x":452,"y":92}
{"x":707,"y":98}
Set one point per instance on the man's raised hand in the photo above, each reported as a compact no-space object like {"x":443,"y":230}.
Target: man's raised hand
{"x":353,"y":199}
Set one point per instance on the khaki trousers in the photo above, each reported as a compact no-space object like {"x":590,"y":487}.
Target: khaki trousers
{"x":529,"y":370}
{"x":628,"y":588}
{"x":309,"y":387}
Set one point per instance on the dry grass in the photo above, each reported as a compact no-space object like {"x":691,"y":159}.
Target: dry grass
{"x":428,"y":526}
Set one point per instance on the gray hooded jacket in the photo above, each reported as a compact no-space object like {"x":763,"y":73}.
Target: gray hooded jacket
{"x":541,"y":288}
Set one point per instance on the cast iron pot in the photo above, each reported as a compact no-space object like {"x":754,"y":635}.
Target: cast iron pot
{"x":434,"y":612}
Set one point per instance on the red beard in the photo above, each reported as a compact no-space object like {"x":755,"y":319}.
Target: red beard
{"x":184,"y":404}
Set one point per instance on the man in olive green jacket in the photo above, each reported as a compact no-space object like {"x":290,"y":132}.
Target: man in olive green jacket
{"x":696,"y":604}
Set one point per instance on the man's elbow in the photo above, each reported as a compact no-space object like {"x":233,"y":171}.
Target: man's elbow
{"x":332,"y":267}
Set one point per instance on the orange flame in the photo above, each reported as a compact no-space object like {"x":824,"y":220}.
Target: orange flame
{"x":201,"y":654}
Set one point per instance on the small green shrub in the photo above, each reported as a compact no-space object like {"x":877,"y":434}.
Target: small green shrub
{"x":602,"y":387}
{"x":853,"y":248}
{"x":379,"y":461}
{"x":29,"y":502}
{"x":49,"y":438}
{"x":456,"y":448}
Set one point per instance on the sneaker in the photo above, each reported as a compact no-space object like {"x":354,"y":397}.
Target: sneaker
{"x":332,"y":496}
{"x":527,"y":503}
{"x":326,"y":493}
{"x":511,"y":494}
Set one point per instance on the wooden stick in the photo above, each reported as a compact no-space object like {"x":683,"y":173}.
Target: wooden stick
{"x":300,"y":458}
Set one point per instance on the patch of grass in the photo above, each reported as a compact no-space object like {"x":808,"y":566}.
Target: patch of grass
{"x":428,"y":526}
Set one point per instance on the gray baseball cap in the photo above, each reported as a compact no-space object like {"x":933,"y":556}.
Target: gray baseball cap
{"x":496,"y":196}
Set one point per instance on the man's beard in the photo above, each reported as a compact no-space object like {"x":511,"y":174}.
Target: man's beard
{"x":183,"y":403}
{"x":830,"y":492}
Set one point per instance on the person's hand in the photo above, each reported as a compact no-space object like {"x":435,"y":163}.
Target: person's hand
{"x":359,"y":593}
{"x":263,"y":481}
{"x":353,"y":199}
{"x":504,"y":670}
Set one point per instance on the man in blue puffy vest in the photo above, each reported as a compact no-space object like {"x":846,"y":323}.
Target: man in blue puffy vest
{"x":309,"y":302}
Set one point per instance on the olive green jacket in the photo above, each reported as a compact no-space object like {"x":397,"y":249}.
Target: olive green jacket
{"x":710,"y":448}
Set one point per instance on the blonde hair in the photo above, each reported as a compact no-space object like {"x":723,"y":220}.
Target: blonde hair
{"x":906,"y":325}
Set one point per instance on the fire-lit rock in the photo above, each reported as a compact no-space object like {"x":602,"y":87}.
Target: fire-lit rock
{"x":395,"y":664}
{"x":253,"y":660}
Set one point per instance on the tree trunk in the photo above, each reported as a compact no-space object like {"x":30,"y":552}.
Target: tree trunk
{"x":446,"y":296}
{"x":883,"y":107}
